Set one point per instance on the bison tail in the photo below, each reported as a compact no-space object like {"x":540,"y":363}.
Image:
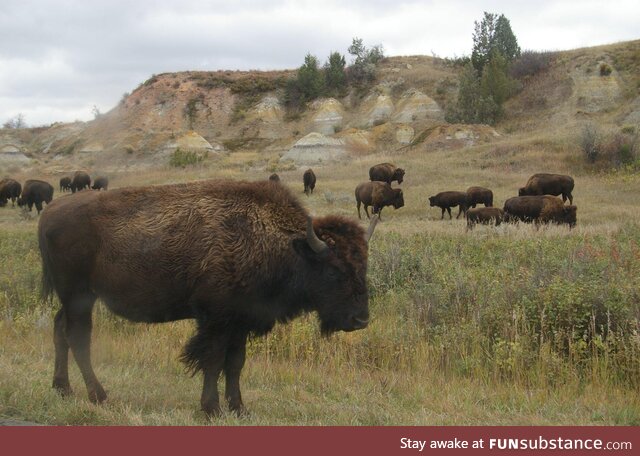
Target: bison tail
{"x":47,"y":286}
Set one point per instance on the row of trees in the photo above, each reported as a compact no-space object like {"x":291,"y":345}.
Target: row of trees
{"x":484,"y":83}
{"x":333,"y":78}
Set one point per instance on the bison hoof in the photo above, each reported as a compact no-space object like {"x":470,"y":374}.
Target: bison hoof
{"x":239,"y":409}
{"x":62,"y":387}
{"x":97,"y":395}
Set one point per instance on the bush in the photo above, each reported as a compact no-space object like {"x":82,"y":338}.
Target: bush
{"x":605,"y":70}
{"x":589,"y":142}
{"x":530,"y":63}
{"x":182,"y":158}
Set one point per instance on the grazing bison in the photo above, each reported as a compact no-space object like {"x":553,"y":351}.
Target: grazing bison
{"x":274,"y":177}
{"x":478,"y":195}
{"x":447,"y":200}
{"x":80,"y":181}
{"x":549,"y":184}
{"x":539,"y":209}
{"x":378,"y":195}
{"x":35,"y":192}
{"x":309,"y":179}
{"x":101,"y":182}
{"x":235,"y":256}
{"x":484,"y":215}
{"x":9,"y":190}
{"x":386,"y":172}
{"x":65,"y":184}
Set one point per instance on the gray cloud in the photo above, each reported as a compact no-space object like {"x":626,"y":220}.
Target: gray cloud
{"x":59,"y":58}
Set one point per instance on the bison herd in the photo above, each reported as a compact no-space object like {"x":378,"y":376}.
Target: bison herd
{"x":237,"y":257}
{"x":35,"y":192}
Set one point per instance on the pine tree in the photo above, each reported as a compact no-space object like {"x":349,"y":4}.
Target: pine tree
{"x":493,"y":34}
{"x":334,"y":74}
{"x":310,"y":79}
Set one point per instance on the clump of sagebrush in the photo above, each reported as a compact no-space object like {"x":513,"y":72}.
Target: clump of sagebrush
{"x":183,"y":158}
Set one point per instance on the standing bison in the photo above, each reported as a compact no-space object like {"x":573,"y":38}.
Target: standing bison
{"x":65,"y":184}
{"x":9,"y":190}
{"x":101,"y":183}
{"x":309,"y":181}
{"x":235,"y":256}
{"x":549,"y":184}
{"x":378,"y":195}
{"x":80,"y":181}
{"x":539,"y":209}
{"x":386,"y":172}
{"x":447,"y":200}
{"x":479,"y":195}
{"x":484,"y":215}
{"x":35,"y":192}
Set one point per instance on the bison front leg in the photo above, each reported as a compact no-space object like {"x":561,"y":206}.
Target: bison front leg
{"x":233,"y":364}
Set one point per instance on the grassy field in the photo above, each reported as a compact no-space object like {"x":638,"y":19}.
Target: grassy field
{"x":506,"y":325}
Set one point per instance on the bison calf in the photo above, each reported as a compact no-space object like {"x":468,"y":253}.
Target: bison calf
{"x":539,"y":209}
{"x":447,"y":200}
{"x":100,"y":183}
{"x":65,"y":184}
{"x":484,"y":215}
{"x":378,"y":195}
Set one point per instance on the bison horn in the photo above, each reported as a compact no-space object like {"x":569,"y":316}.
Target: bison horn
{"x":372,"y":227}
{"x":316,"y":244}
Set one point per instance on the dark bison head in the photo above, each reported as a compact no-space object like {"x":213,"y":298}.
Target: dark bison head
{"x":432,"y":201}
{"x":336,"y":269}
{"x":21,"y":202}
{"x":522,"y":191}
{"x":398,"y":199}
{"x":569,"y":215}
{"x":398,"y":175}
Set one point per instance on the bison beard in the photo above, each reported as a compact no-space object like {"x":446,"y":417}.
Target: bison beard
{"x":235,"y":256}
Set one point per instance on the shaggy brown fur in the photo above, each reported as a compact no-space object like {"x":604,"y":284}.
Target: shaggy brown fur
{"x":484,"y":215}
{"x":386,"y":172}
{"x":235,"y":256}
{"x":479,"y":195}
{"x":549,"y":184}
{"x":35,"y":192}
{"x":539,"y":209}
{"x":447,"y":200}
{"x":309,"y":180}
{"x":378,"y":195}
{"x":80,"y":181}
{"x":9,"y":190}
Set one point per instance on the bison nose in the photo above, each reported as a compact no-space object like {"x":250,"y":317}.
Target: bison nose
{"x":359,"y":323}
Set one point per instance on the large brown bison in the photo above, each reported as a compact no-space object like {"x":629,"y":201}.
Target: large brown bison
{"x":484,"y":215}
{"x":479,"y":195}
{"x":235,"y":256}
{"x":309,"y":180}
{"x":539,"y":209}
{"x":386,"y":172}
{"x":65,"y":184}
{"x":9,"y":190}
{"x":447,"y":200}
{"x":378,"y":195}
{"x":80,"y":181}
{"x":101,"y":183}
{"x":35,"y":192}
{"x":549,"y":184}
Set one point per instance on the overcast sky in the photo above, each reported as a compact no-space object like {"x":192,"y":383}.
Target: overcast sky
{"x":60,"y":58}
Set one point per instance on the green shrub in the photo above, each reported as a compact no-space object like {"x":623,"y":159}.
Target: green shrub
{"x":182,"y":158}
{"x":605,"y":69}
